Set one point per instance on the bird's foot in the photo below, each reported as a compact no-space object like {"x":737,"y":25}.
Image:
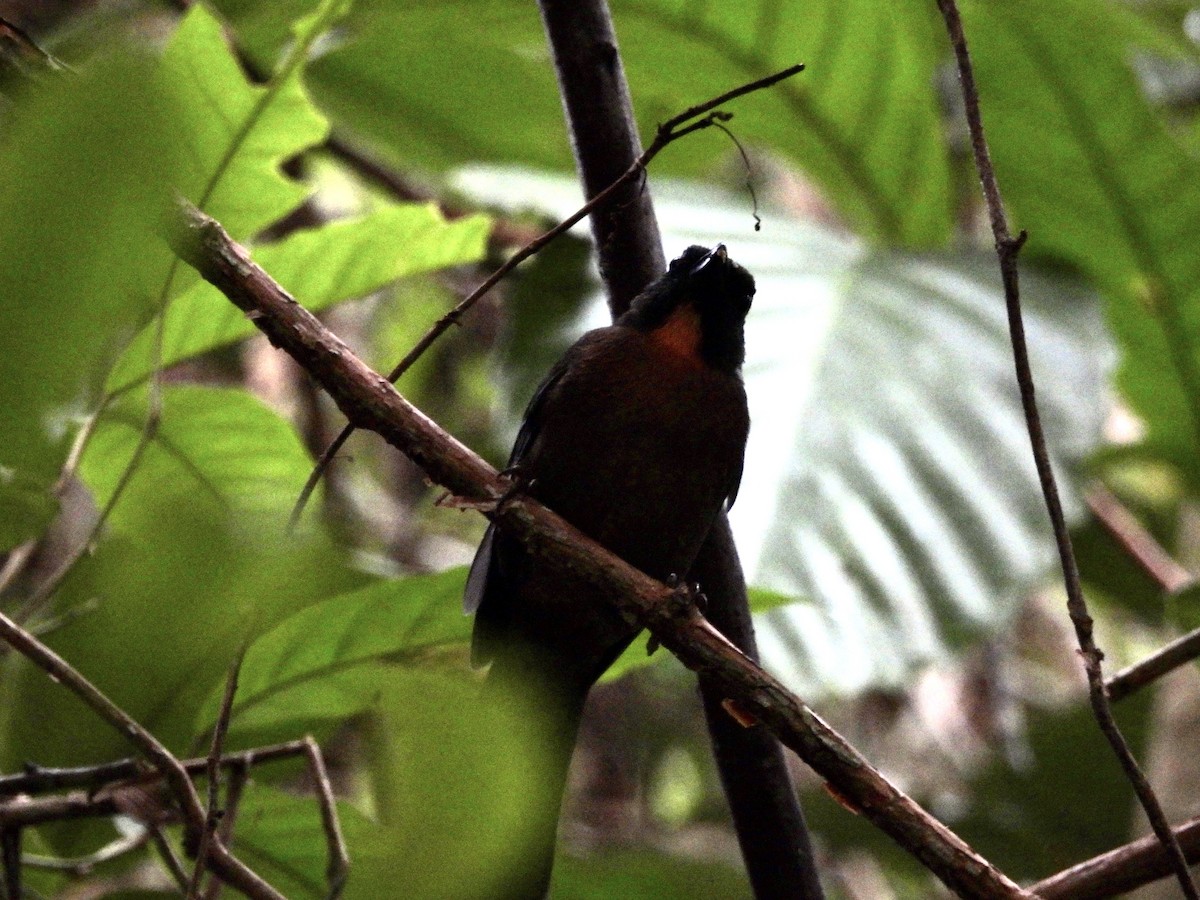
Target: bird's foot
{"x":684,"y":599}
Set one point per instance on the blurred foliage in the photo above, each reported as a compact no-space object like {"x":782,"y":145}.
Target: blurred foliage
{"x":889,"y":517}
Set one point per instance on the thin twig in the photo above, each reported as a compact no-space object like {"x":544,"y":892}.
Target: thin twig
{"x":238,"y":776}
{"x":1156,"y":665}
{"x":222,"y":862}
{"x":369,"y":401}
{"x":1007,"y":249}
{"x":213,"y":770}
{"x":1121,"y":870}
{"x":149,"y":430}
{"x":83,"y":865}
{"x":668,"y":132}
{"x":1140,"y":545}
{"x":167,"y":854}
{"x":36,"y":779}
{"x":338,"y":869}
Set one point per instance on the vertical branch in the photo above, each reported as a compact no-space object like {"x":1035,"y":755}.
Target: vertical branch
{"x":10,"y":856}
{"x":770,"y":825}
{"x":1007,"y":249}
{"x":595,"y":96}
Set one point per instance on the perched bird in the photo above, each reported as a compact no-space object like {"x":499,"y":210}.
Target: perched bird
{"x":636,"y":437}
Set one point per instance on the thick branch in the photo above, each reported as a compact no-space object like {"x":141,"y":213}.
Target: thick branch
{"x":591,"y":81}
{"x":1007,"y":248}
{"x":371,"y":402}
{"x":762,"y":799}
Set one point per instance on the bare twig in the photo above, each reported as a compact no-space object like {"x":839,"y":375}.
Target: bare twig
{"x":1136,"y":541}
{"x":669,"y":132}
{"x":339,"y":858}
{"x":370,"y":401}
{"x":37,"y":779}
{"x":238,"y":776}
{"x":169,"y":857}
{"x":1007,"y":249}
{"x":213,"y":770}
{"x":82,"y":865}
{"x":222,"y":862}
{"x":1156,"y":665}
{"x":1121,"y":870}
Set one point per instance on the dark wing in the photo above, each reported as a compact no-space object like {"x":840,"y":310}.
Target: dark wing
{"x":485,"y":577}
{"x":734,"y":483}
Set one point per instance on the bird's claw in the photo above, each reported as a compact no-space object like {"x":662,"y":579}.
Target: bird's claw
{"x":519,"y":482}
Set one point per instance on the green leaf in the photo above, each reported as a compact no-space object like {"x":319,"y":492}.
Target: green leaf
{"x":221,"y":447}
{"x":319,"y":266}
{"x":280,"y":836}
{"x":888,"y":476}
{"x":634,"y":874}
{"x":863,"y":120}
{"x":1091,"y":170}
{"x":238,"y":134}
{"x":194,"y":560}
{"x":322,"y":662}
{"x":86,"y":171}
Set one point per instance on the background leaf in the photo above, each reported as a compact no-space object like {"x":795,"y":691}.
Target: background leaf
{"x":888,"y":476}
{"x":322,"y":662}
{"x":1093,"y":172}
{"x":863,"y":121}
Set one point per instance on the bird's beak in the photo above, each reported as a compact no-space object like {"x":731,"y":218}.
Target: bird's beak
{"x":717,"y":252}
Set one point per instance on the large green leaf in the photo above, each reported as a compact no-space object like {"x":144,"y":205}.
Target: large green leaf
{"x":280,"y":836}
{"x":86,"y":171}
{"x":888,"y":480}
{"x":863,"y":121}
{"x":238,"y":134}
{"x":1092,"y":171}
{"x":323,"y":661}
{"x":319,"y":266}
{"x":194,"y":561}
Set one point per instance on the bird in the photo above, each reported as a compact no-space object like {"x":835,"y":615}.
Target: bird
{"x":636,"y":437}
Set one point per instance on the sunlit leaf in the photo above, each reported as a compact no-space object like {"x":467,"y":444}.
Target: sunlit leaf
{"x":193,"y":561}
{"x":322,"y":661}
{"x":237,"y":134}
{"x":320,"y":267}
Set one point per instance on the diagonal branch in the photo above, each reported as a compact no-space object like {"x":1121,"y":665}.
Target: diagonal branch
{"x":1007,"y":248}
{"x":370,"y":401}
{"x":1121,"y":870}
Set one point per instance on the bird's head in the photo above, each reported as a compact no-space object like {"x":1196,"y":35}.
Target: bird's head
{"x":698,"y":308}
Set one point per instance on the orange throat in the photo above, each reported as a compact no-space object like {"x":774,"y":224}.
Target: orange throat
{"x":680,"y":334}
